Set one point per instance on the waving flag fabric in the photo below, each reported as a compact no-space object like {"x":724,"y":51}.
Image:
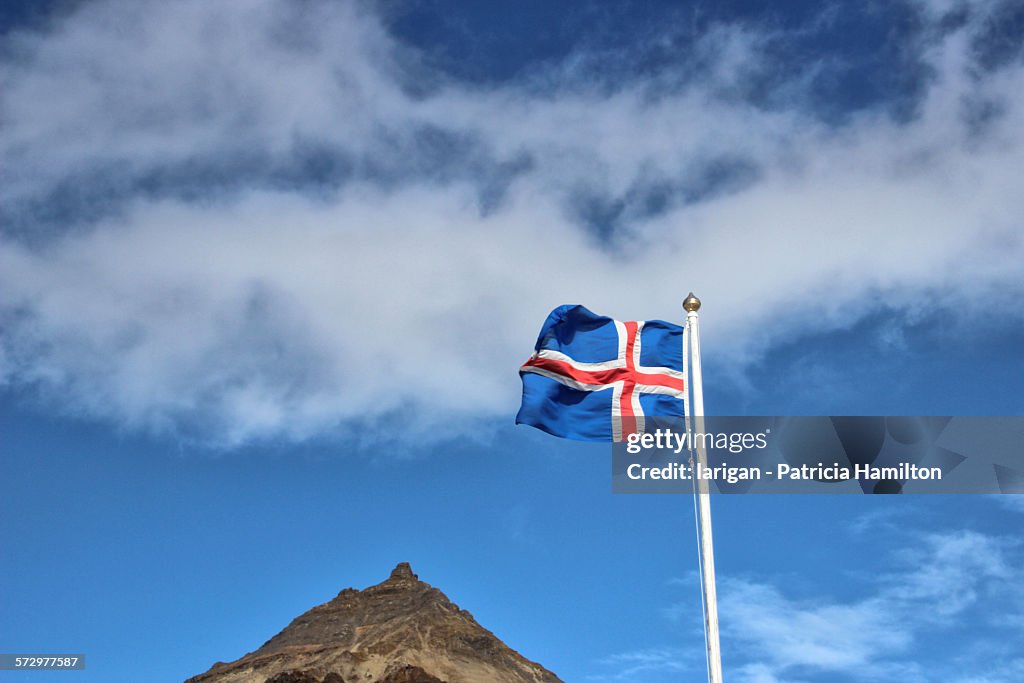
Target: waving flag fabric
{"x":593,"y":378}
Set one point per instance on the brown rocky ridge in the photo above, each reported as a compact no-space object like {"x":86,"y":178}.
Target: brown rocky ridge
{"x":400,"y":631}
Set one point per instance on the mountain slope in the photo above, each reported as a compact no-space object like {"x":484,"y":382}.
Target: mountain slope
{"x":400,"y":631}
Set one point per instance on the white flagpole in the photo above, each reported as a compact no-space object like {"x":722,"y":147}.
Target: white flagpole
{"x":707,"y":551}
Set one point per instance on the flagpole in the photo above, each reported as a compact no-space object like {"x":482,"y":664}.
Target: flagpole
{"x":707,"y":551}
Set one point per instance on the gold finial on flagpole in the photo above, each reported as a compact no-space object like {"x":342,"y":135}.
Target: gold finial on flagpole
{"x":691,"y":303}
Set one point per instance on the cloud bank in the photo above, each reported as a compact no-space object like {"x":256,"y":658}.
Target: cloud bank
{"x":897,"y":627}
{"x":266,"y":219}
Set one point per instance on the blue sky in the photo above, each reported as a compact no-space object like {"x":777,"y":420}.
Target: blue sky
{"x":267,"y":270}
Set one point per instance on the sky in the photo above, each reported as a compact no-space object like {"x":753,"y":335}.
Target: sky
{"x":268,"y":269}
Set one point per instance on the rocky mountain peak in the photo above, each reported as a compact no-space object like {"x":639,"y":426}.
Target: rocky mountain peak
{"x":401,"y":630}
{"x":403,"y":572}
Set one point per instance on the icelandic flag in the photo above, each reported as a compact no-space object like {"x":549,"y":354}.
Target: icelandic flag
{"x":593,"y":378}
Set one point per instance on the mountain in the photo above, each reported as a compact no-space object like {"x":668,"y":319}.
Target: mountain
{"x":400,"y":631}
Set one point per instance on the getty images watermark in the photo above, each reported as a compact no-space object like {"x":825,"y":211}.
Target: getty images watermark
{"x":838,"y":454}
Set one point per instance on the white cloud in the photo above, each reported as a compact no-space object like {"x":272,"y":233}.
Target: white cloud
{"x":251,"y":310}
{"x":641,"y":664}
{"x":885,"y":518}
{"x":1010,"y":671}
{"x":758,"y":673}
{"x":937,"y":579}
{"x":1013,"y":502}
{"x":939,"y":586}
{"x":947,"y":571}
{"x":815,"y":634}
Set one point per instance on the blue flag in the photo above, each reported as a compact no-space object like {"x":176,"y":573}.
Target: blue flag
{"x":593,"y":378}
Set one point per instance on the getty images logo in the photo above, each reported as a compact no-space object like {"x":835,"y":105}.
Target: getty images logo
{"x":667,"y":439}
